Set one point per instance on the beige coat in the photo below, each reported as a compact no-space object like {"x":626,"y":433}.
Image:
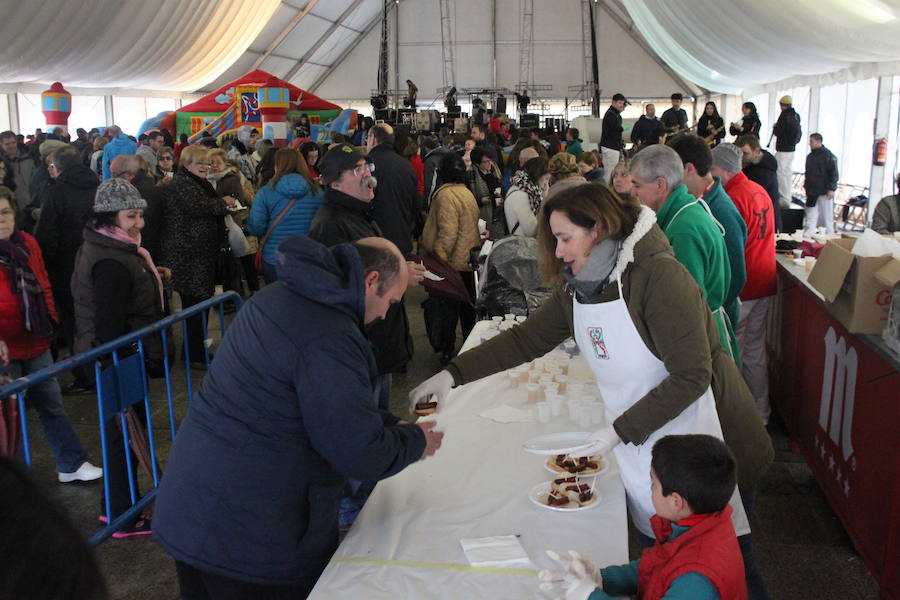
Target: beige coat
{"x":451,"y":229}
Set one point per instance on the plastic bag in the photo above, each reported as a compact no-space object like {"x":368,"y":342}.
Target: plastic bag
{"x":871,"y":244}
{"x":236,"y":238}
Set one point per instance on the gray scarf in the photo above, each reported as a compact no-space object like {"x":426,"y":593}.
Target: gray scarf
{"x":595,"y":274}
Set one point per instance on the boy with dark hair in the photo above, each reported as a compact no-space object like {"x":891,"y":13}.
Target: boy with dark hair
{"x":696,"y":554}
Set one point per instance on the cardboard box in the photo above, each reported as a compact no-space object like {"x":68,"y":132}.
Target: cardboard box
{"x":852,"y":292}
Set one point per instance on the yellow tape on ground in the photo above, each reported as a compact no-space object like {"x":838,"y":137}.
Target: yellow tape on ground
{"x":430,"y":565}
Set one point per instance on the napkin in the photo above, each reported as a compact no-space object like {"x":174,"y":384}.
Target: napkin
{"x":507,"y":414}
{"x":496,"y":551}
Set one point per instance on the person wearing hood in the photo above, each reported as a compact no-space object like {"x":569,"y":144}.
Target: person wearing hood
{"x":250,"y":499}
{"x":761,"y":167}
{"x":119,"y":143}
{"x":698,"y":240}
{"x":66,"y":208}
{"x":283,"y":208}
{"x":193,"y":228}
{"x":641,"y":323}
{"x":564,"y":173}
{"x":118,"y":289}
{"x":590,"y":168}
{"x":242,"y":151}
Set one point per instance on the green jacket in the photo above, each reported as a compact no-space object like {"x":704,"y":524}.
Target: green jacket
{"x":726,"y":213}
{"x":700,"y":246}
{"x":672,"y":319}
{"x":574,"y":148}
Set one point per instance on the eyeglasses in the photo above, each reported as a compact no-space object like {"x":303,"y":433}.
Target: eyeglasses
{"x":166,"y":158}
{"x":362,"y":168}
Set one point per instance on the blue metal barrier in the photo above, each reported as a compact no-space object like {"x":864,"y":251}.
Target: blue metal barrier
{"x":122,"y":382}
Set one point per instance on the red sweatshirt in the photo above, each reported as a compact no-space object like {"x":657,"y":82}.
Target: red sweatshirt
{"x":755,"y":206}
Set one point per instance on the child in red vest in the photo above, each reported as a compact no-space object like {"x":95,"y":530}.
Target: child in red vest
{"x":696,"y":555}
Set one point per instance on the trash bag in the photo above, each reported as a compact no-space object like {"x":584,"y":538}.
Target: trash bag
{"x":511,"y":282}
{"x":441,"y":315}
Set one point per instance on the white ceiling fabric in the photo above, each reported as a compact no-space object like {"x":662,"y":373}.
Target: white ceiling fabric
{"x":737,"y":46}
{"x":152,"y":44}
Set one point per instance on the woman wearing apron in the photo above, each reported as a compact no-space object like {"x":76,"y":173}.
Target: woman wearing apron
{"x":644,"y":328}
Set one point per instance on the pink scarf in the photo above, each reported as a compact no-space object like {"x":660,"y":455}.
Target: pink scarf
{"x":117,"y":233}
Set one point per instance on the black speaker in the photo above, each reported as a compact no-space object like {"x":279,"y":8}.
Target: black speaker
{"x":500,"y":105}
{"x":530,"y":120}
{"x":382,"y":114}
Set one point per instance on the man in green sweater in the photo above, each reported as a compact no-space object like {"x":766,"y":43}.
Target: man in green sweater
{"x":696,"y":237}
{"x":698,"y":160}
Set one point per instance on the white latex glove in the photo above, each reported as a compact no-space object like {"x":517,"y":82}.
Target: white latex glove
{"x":577,"y":577}
{"x":437,"y":385}
{"x":601,"y":442}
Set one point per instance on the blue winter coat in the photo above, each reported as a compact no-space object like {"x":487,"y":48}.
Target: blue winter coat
{"x":122,"y":144}
{"x":270,"y":202}
{"x":286,"y":413}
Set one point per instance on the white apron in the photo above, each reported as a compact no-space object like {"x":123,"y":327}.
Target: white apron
{"x":626,"y":371}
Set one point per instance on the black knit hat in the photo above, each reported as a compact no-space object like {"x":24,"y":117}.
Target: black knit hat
{"x":338,"y":159}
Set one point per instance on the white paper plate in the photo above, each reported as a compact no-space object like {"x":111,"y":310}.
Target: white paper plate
{"x":557,"y":443}
{"x":538,"y":495}
{"x":603,"y":469}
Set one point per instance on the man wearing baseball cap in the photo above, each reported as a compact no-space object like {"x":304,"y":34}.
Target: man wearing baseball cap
{"x":611,"y":144}
{"x":787,"y":134}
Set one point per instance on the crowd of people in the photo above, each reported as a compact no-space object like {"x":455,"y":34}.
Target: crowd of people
{"x":666,"y":250}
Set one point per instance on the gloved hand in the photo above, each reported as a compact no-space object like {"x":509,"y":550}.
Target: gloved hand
{"x":437,"y":385}
{"x":601,"y":442}
{"x":577,"y":577}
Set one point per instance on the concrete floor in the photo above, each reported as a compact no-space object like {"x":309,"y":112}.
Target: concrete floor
{"x":801,"y":547}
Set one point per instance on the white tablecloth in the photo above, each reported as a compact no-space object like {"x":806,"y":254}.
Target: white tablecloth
{"x":405,"y":543}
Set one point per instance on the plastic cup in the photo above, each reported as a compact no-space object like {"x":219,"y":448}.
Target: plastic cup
{"x":573,"y":407}
{"x":533,"y":377}
{"x":496,"y":321}
{"x":534,"y":392}
{"x":798,"y":253}
{"x":809,"y":262}
{"x":509,"y":317}
{"x":520,"y":318}
{"x":543,"y":410}
{"x":556,"y":403}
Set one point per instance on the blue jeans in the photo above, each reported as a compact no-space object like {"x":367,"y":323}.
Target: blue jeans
{"x":756,"y":587}
{"x":46,"y":398}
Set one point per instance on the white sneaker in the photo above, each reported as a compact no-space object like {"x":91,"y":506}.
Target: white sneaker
{"x":86,"y":472}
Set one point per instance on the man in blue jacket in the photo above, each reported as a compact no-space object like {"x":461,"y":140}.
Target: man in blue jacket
{"x":248,"y":506}
{"x":119,"y":143}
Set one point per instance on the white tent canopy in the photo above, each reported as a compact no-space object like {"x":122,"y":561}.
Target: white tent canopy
{"x":158,"y":45}
{"x":738,"y":47}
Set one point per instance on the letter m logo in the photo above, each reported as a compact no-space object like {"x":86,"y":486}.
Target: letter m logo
{"x":838,"y":390}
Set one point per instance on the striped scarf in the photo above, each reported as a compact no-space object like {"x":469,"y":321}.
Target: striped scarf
{"x":32,"y":304}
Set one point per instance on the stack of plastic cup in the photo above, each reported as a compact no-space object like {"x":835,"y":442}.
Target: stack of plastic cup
{"x":574,"y":389}
{"x":562,"y":380}
{"x":534,"y":392}
{"x":520,"y":318}
{"x":509,"y":317}
{"x":496,"y":321}
{"x":515,"y":377}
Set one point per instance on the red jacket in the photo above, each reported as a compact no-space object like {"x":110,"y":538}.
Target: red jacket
{"x":23,"y":344}
{"x":419,"y":167}
{"x":754,"y":204}
{"x":709,"y":547}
